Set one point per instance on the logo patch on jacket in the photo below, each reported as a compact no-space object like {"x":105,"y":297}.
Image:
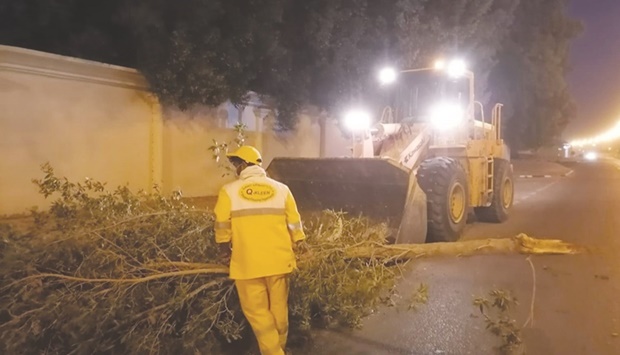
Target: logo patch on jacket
{"x":257,"y":192}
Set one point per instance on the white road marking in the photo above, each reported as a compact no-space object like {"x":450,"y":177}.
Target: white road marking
{"x":534,"y":193}
{"x":546,"y":176}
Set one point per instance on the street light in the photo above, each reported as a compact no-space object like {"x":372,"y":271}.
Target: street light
{"x":613,"y":134}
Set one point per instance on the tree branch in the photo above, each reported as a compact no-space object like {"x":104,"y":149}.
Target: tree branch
{"x":214,"y":270}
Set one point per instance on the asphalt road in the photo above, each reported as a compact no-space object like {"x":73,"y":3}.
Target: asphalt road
{"x":576,"y":298}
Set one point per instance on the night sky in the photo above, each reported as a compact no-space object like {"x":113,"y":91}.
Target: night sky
{"x":595,"y":77}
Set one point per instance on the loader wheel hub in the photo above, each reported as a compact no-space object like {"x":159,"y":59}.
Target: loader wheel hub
{"x":507,"y":193}
{"x":457,"y":202}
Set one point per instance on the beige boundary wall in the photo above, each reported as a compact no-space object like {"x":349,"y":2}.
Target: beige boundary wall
{"x":95,"y":120}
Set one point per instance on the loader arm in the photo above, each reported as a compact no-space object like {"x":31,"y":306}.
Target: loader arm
{"x":408,"y":145}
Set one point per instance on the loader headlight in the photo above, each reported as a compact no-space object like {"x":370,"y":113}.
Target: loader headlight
{"x":446,"y":115}
{"x":357,"y":120}
{"x":387,"y":76}
{"x":457,"y":68}
{"x":591,"y":156}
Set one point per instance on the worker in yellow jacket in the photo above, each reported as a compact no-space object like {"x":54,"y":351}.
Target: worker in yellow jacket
{"x":259,"y":218}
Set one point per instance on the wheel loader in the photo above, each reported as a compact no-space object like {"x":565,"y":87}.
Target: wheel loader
{"x":429,"y":162}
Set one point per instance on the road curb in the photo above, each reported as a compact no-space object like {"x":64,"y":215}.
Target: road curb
{"x":536,"y":176}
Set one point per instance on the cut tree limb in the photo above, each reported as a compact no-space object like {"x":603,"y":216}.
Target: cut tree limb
{"x":223,"y":270}
{"x":521,"y":244}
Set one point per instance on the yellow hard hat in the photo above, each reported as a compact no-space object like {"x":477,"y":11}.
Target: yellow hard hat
{"x":248,"y":154}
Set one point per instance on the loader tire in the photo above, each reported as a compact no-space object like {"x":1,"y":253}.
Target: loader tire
{"x":503,"y":194}
{"x":445,"y":183}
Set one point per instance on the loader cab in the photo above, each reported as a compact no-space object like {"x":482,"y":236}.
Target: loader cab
{"x":413,"y":97}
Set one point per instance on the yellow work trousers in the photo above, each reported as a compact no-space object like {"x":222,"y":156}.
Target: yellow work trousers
{"x":264,"y":302}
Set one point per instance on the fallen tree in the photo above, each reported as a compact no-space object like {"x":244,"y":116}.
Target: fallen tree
{"x":118,"y":272}
{"x":521,"y":244}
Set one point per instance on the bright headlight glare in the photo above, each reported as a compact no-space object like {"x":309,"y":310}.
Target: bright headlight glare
{"x":357,"y":120}
{"x":387,"y":76}
{"x":446,"y":115}
{"x":457,"y":68}
{"x":591,"y":156}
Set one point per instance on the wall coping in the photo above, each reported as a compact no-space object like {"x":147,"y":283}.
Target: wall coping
{"x":28,"y":61}
{"x":33,"y":62}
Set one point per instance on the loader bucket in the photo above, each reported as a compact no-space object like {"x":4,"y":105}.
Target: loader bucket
{"x":372,"y":187}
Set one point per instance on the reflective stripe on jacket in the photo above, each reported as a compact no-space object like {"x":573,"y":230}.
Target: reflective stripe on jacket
{"x":259,"y":216}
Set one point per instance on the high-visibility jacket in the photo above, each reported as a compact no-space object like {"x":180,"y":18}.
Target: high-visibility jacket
{"x":259,"y":216}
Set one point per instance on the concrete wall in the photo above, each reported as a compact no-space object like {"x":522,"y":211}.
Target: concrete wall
{"x":85,"y":118}
{"x":187,"y":161}
{"x":188,"y":164}
{"x":94,"y":120}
